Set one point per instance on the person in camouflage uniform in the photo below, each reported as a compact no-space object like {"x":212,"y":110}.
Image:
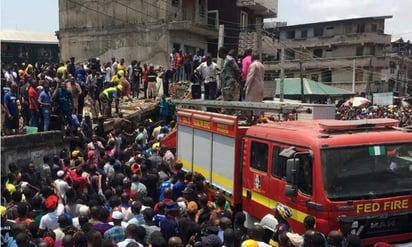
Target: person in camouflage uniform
{"x":229,"y":76}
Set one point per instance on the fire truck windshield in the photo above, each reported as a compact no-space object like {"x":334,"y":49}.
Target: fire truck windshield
{"x":367,"y":172}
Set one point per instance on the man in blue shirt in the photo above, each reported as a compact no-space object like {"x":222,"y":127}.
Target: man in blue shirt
{"x":11,"y":124}
{"x":117,"y":232}
{"x":45,"y":105}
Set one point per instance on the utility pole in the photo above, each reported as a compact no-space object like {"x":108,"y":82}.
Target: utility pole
{"x":353,"y":76}
{"x":368,"y":86}
{"x":259,"y":36}
{"x":220,"y":42}
{"x":282,"y":74}
{"x":401,"y":70}
{"x":302,"y":91}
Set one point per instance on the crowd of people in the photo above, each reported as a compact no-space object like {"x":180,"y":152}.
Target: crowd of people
{"x":111,"y":192}
{"x":125,"y":188}
{"x":34,"y":94}
{"x":403,"y":113}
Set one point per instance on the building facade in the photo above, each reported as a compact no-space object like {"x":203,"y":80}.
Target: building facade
{"x":240,"y":18}
{"x":343,"y":53}
{"x":144,"y":30}
{"x":19,"y":47}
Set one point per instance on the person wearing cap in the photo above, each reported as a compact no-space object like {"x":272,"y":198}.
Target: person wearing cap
{"x":106,"y":98}
{"x":282,"y":213}
{"x":120,"y":79}
{"x":55,"y":208}
{"x":345,"y":227}
{"x":62,"y":185}
{"x":250,"y":243}
{"x":169,"y":226}
{"x":117,"y":232}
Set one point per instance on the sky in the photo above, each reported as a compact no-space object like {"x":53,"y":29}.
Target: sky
{"x":43,"y":15}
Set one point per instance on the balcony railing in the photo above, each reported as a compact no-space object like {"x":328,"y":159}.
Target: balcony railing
{"x":338,"y":40}
{"x":193,"y":27}
{"x":265,"y":8}
{"x":335,"y":62}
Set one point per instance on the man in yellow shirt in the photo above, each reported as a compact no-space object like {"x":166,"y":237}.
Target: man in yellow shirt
{"x":121,"y":66}
{"x":106,"y":98}
{"x":63,"y":70}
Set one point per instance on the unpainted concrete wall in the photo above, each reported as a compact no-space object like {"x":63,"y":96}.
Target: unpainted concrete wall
{"x":144,"y":45}
{"x":22,"y":149}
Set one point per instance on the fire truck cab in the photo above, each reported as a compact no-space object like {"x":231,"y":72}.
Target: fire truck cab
{"x":360,"y":170}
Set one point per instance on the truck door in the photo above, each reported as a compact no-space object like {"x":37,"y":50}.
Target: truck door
{"x":303,"y":182}
{"x":256,"y":177}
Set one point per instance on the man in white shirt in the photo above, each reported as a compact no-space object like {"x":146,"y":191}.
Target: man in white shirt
{"x":55,"y":208}
{"x":132,"y":235}
{"x":62,"y":185}
{"x":208,"y":71}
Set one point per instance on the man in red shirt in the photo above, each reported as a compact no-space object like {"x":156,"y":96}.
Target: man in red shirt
{"x":76,"y":176}
{"x":34,"y":106}
{"x":145,"y":80}
{"x":179,"y":66}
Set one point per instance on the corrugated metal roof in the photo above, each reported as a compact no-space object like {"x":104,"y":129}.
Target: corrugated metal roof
{"x":292,"y":87}
{"x":28,"y":37}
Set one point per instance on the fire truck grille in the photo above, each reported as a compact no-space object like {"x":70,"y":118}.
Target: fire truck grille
{"x":386,"y":224}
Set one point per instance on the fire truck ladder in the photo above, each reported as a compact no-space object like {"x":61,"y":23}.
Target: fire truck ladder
{"x":242,"y":105}
{"x":273,"y":107}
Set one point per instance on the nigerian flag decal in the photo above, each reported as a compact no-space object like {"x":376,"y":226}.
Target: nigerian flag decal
{"x":377,"y":150}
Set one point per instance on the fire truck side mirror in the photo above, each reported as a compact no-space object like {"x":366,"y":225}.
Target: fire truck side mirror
{"x":291,"y":170}
{"x":291,"y":190}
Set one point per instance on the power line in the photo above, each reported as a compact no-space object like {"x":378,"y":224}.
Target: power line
{"x":344,"y":68}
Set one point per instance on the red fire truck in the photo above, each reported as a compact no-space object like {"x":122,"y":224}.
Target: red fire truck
{"x":326,"y":168}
